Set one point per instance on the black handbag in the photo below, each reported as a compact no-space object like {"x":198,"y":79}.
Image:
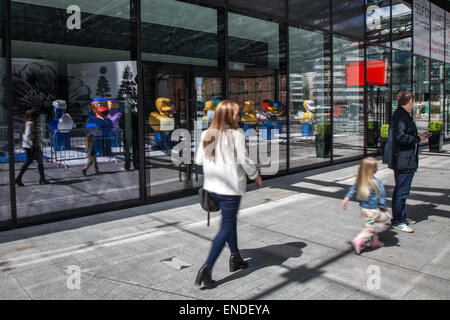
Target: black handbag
{"x":388,"y":155}
{"x":207,"y":203}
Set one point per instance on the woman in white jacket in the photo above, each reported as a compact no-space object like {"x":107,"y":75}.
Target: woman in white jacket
{"x":30,"y":142}
{"x":226,"y":166}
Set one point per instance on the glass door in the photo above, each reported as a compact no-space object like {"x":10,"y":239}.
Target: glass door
{"x":165,"y":111}
{"x":182,"y":72}
{"x":179,"y":104}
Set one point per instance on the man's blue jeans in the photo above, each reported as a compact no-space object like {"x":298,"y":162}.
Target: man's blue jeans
{"x":229,"y":206}
{"x":403,"y":181}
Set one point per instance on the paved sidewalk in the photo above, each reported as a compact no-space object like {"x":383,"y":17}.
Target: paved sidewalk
{"x":293,"y":230}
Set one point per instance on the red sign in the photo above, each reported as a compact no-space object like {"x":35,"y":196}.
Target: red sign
{"x":376,"y":73}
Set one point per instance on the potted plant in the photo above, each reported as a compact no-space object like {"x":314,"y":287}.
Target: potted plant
{"x":372,"y":133}
{"x":384,"y":133}
{"x":436,"y":140}
{"x":323,"y":140}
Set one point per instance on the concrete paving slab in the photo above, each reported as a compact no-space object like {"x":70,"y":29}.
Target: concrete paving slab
{"x":11,"y":289}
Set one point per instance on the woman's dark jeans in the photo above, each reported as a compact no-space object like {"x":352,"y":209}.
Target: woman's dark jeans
{"x":33,"y":153}
{"x":229,"y":205}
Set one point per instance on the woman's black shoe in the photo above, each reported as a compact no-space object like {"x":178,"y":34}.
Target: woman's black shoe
{"x":44,"y":181}
{"x":204,"y":276}
{"x":236,"y":262}
{"x":19,"y":182}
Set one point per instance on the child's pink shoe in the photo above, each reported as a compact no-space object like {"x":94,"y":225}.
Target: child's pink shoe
{"x":357,"y":245}
{"x":376,"y":244}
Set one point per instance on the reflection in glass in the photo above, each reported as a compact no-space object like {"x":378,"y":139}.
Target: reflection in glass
{"x":256,"y":79}
{"x":5,"y":206}
{"x":378,"y":14}
{"x":421,"y":82}
{"x":181,"y":81}
{"x":447,"y":100}
{"x":79,"y":74}
{"x":436,"y":91}
{"x":401,"y":25}
{"x":311,"y":13}
{"x":348,"y":95}
{"x":401,"y":75}
{"x":309,"y":85}
{"x":378,"y":93}
{"x":267,"y":7}
{"x":348,"y":18}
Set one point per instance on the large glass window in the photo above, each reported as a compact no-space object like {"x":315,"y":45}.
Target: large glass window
{"x":401,"y":75}
{"x":348,"y":18}
{"x":315,"y":14}
{"x":309,"y":97}
{"x":378,"y":26}
{"x":436,"y":91}
{"x":5,"y":207}
{"x":421,"y":82}
{"x":402,"y":24}
{"x":257,"y":81}
{"x":267,"y":7}
{"x":348,"y":94}
{"x":183,"y":72}
{"x":447,"y":100}
{"x":377,"y":73}
{"x":73,"y":65}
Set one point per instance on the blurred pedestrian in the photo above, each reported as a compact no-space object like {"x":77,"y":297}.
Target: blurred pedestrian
{"x":91,"y":154}
{"x":372,"y":200}
{"x":31,"y":145}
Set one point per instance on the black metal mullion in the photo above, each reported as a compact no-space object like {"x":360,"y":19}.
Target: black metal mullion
{"x":445,"y":76}
{"x":331,"y":70}
{"x":9,"y":104}
{"x":136,"y":18}
{"x":284,"y":39}
{"x":223,"y":59}
{"x":365,"y":95}
{"x":429,"y":68}
{"x":388,"y":110}
{"x":412,"y":50}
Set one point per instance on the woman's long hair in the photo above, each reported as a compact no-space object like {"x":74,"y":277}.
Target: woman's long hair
{"x":223,"y":119}
{"x":365,"y":179}
{"x":30,"y":115}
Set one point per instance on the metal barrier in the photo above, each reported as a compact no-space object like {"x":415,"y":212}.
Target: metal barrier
{"x":69,"y":149}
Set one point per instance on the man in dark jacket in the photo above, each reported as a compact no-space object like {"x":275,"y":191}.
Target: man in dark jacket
{"x":405,"y":158}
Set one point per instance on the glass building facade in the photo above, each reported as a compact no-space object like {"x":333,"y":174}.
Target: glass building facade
{"x":143,"y":77}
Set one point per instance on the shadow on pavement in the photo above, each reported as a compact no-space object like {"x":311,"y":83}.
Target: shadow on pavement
{"x":273,"y":255}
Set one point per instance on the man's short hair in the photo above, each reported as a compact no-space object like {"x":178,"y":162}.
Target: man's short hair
{"x":404,"y":97}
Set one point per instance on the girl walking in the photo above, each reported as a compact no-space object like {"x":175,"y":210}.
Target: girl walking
{"x":225,"y":169}
{"x":372,"y":200}
{"x":92,"y":157}
{"x":31,"y":145}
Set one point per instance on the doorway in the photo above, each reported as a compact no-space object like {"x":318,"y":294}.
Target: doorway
{"x":175,"y":97}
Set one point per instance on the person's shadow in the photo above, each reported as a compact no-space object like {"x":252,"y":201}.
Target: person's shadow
{"x":388,"y":237}
{"x":260,"y":258}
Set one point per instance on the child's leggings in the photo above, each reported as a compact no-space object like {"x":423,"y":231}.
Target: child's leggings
{"x":92,"y":160}
{"x":369,"y":220}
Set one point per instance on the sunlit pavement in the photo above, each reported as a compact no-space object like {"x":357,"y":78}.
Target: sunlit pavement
{"x":293,"y":231}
